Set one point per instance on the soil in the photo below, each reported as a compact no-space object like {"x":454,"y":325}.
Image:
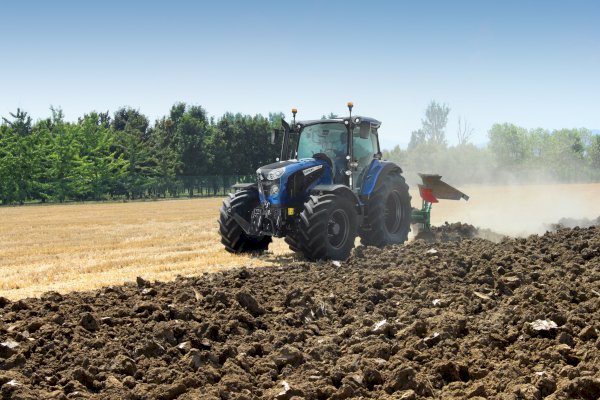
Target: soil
{"x":457,"y":231}
{"x":465,"y":318}
{"x":573,"y":222}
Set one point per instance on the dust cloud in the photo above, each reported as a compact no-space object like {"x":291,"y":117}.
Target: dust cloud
{"x":520,"y":210}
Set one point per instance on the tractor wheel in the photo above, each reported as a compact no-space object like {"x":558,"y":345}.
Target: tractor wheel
{"x":232,"y":235}
{"x":389,"y":214}
{"x":327,"y":228}
{"x":293,"y":241}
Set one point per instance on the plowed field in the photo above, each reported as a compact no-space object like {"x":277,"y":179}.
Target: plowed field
{"x":468,"y":318}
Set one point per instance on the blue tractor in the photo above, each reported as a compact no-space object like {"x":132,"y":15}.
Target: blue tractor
{"x":329,"y":186}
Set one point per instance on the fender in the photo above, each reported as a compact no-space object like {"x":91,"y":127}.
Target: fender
{"x":338,"y":189}
{"x":243,"y":186}
{"x":377,"y":171}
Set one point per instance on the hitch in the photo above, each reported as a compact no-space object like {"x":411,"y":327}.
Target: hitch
{"x":432,"y":189}
{"x":263,"y":221}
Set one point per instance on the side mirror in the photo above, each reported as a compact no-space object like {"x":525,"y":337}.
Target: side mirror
{"x":365,"y":129}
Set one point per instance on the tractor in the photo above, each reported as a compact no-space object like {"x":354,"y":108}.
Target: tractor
{"x":328,"y":186}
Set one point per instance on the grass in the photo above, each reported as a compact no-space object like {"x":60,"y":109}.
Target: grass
{"x":86,"y":246}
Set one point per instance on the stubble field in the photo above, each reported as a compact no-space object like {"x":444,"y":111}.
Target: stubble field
{"x":86,"y":246}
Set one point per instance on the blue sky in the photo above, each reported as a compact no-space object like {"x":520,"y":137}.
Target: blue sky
{"x":532,"y":63}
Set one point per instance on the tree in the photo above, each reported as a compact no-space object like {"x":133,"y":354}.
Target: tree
{"x":417,"y":138}
{"x":564,"y":154}
{"x":464,"y":132}
{"x":132,"y":145}
{"x":192,"y":128}
{"x":434,"y":124}
{"x":127,"y":117}
{"x":510,"y":145}
{"x":20,"y":124}
{"x":102,"y":166}
{"x":433,"y":127}
{"x":594,"y":152}
{"x":397,"y":155}
{"x":19,"y":163}
{"x":67,"y":175}
{"x":164,"y":156}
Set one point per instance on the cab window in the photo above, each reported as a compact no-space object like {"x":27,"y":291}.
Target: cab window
{"x":364,"y":152}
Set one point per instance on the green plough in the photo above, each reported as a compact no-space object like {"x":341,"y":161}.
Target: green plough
{"x":433,"y":189}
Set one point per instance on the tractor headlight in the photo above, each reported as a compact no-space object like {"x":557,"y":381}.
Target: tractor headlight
{"x":275,"y":174}
{"x":274,"y":190}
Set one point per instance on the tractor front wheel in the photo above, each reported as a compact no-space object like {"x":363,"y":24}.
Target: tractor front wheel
{"x":327,"y":228}
{"x":389,"y":214}
{"x":233,"y":237}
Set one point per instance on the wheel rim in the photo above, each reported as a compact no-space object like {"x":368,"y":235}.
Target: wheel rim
{"x":393,"y":212}
{"x":337,"y":228}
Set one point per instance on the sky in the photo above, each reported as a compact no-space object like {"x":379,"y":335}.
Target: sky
{"x":531,"y":63}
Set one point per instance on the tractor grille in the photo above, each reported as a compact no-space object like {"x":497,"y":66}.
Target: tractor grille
{"x":298,"y":183}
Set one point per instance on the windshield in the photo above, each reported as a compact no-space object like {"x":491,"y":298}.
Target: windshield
{"x":329,"y":138}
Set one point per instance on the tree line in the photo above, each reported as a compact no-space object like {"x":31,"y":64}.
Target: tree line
{"x":513,"y":154}
{"x":123,"y":155}
{"x":188,"y":153}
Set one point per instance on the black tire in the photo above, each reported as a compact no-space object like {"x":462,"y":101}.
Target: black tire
{"x":389,"y":213}
{"x":327,"y":228}
{"x":233,"y":237}
{"x":293,"y":242}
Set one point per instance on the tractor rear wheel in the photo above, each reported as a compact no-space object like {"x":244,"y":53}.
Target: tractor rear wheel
{"x":389,"y":214}
{"x":232,"y":235}
{"x":327,"y":228}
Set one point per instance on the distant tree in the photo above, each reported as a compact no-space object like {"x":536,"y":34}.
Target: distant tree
{"x":132,"y":145}
{"x":329,"y":116}
{"x":433,"y":127}
{"x":192,"y":128}
{"x":20,"y":124}
{"x":417,"y":138}
{"x":594,"y":153}
{"x":135,"y":121}
{"x":434,"y":124}
{"x":564,"y":154}
{"x":510,"y":144}
{"x":464,"y":131}
{"x":102,"y":165}
{"x":19,"y":162}
{"x":397,"y":155}
{"x":164,"y":156}
{"x":66,"y":167}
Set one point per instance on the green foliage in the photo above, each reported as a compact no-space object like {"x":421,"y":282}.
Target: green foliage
{"x":513,"y":154}
{"x":594,"y":152}
{"x":102,"y":166}
{"x":510,"y":144}
{"x":186,"y":152}
{"x":18,"y":162}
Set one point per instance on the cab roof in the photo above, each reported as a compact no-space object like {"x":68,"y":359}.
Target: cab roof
{"x":374,"y":123}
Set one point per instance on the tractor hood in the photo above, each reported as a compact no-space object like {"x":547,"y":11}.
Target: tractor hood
{"x":286,"y":183}
{"x":289,"y":166}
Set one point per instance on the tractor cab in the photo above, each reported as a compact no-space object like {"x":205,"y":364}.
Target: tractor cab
{"x":347,"y":145}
